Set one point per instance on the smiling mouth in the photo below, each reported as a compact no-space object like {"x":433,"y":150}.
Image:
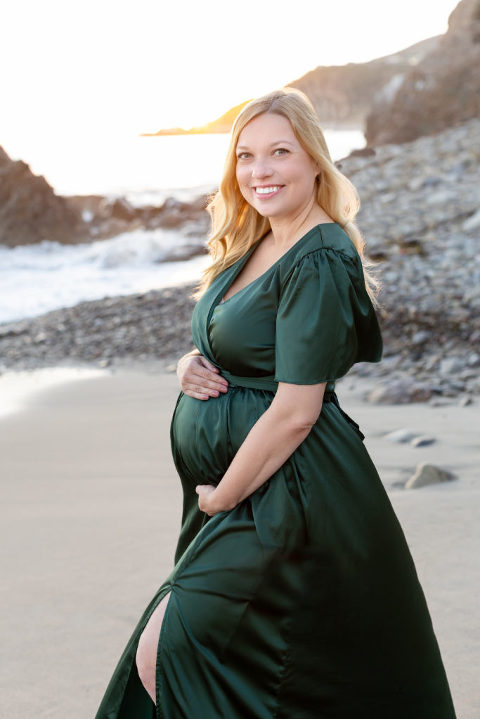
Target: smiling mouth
{"x":269,"y":191}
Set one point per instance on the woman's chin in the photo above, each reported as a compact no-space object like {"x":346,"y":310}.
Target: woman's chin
{"x":269,"y":211}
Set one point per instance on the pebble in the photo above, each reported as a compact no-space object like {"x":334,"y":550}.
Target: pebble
{"x":422,"y":441}
{"x":401,"y":435}
{"x":450,"y":365}
{"x":427,"y":474}
{"x":473,"y":222}
{"x":409,"y":436}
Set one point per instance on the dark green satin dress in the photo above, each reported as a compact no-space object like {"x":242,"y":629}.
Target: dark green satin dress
{"x":303,"y":601}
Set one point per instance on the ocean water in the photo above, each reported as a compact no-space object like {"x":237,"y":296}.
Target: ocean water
{"x":35,"y":279}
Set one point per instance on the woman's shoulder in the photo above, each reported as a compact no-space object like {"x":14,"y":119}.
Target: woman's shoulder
{"x":325,"y":238}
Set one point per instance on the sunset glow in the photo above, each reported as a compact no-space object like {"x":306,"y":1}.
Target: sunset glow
{"x":93,"y":68}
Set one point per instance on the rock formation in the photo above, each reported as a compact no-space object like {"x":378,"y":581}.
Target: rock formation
{"x":343,"y":95}
{"x":443,"y":90}
{"x":30,"y":211}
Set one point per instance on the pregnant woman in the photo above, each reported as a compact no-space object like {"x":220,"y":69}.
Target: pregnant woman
{"x":294,"y":594}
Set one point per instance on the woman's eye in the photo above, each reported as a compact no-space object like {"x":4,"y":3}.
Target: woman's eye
{"x":242,"y":155}
{"x":281,"y":150}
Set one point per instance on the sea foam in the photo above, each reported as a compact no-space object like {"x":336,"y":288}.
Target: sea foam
{"x":35,"y":279}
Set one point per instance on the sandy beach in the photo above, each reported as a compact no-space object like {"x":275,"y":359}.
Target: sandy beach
{"x":92,"y":508}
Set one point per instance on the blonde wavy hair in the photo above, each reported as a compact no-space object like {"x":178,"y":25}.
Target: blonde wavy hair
{"x":236,"y":225}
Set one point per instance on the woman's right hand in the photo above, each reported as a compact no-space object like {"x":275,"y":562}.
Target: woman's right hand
{"x":199,"y":378}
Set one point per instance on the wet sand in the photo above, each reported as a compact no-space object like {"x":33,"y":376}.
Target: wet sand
{"x":92,"y":509}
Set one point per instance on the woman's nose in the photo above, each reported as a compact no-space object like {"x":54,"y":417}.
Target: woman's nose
{"x":261,"y":169}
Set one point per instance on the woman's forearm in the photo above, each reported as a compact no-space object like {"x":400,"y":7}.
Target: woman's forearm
{"x":270,"y":442}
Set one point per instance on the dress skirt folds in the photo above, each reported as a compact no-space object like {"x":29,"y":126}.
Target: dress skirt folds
{"x":303,"y":601}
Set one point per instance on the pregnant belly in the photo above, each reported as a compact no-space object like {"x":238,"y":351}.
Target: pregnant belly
{"x":206,"y":434}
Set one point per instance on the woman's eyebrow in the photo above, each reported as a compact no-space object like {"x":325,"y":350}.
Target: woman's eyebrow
{"x":277,"y":142}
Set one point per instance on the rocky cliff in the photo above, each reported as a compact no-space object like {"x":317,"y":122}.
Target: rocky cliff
{"x":30,"y":211}
{"x":443,"y":90}
{"x":343,"y":95}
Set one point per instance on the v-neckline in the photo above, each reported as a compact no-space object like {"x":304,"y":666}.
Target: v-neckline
{"x":249,"y":253}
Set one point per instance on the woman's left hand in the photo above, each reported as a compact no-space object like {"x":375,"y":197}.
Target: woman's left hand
{"x":206,"y":499}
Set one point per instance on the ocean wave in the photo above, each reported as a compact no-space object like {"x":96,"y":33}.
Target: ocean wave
{"x":38,"y":278}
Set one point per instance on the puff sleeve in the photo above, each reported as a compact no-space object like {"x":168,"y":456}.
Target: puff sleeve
{"x":325,"y":320}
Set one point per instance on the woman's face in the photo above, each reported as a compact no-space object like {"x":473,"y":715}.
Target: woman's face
{"x":274,"y":173}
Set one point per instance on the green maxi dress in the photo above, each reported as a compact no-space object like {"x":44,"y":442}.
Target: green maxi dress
{"x":303,"y":601}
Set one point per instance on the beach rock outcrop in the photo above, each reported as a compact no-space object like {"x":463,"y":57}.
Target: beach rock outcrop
{"x":30,"y":211}
{"x":443,"y":90}
{"x":107,"y":217}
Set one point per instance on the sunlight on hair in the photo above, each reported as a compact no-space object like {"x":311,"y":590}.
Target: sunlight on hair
{"x":236,"y":225}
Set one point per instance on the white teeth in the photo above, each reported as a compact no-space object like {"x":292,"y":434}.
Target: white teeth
{"x":266,"y":190}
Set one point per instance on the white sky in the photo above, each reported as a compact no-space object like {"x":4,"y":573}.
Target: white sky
{"x":136,"y":66}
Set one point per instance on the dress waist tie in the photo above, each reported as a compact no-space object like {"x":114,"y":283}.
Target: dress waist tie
{"x":267,"y":382}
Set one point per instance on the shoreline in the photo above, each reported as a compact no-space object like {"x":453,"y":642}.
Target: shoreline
{"x":94,"y":508}
{"x":430,"y":365}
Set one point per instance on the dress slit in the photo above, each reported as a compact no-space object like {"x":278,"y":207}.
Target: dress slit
{"x":158,"y":708}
